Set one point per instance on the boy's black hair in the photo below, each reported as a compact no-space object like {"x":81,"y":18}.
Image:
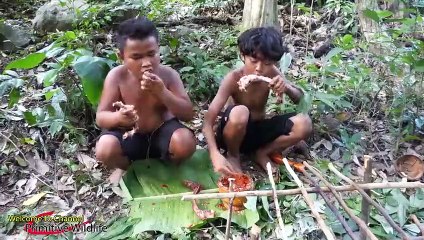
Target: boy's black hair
{"x":264,"y":40}
{"x":137,"y":28}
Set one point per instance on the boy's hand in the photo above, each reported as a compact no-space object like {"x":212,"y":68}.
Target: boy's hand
{"x":127,"y":116}
{"x":152,"y":83}
{"x":221,"y":165}
{"x":278,"y":86}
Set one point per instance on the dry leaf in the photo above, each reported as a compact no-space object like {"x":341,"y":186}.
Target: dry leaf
{"x":327,"y":144}
{"x":21,"y":161}
{"x":5,"y":199}
{"x":30,"y":186}
{"x":36,"y":163}
{"x":335,"y":155}
{"x":118,"y":191}
{"x":63,"y":187}
{"x":3,"y":143}
{"x":34,"y":199}
{"x":57,"y":202}
{"x":83,"y":189}
{"x":88,"y":161}
{"x":19,"y":184}
{"x":317,"y":144}
{"x":97,"y":174}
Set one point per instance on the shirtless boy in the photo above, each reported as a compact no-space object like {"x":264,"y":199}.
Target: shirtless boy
{"x":159,"y":100}
{"x":243,"y":128}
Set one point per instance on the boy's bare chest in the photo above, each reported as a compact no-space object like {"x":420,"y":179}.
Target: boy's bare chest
{"x":131,"y":93}
{"x":255,"y":97}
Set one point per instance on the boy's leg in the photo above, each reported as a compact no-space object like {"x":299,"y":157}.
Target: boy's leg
{"x":288,"y":136}
{"x":116,"y":153}
{"x":234,"y":124}
{"x":173,"y":141}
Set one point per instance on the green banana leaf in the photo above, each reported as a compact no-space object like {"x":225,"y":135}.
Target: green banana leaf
{"x":153,"y":177}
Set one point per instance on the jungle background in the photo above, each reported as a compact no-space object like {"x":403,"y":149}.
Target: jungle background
{"x":360,"y":64}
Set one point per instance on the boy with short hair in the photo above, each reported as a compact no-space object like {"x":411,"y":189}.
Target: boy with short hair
{"x":243,"y":127}
{"x":155,"y":100}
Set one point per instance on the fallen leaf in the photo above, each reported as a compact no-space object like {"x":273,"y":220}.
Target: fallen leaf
{"x":30,"y":186}
{"x":36,"y":163}
{"x":34,"y":199}
{"x":57,"y":202}
{"x":63,"y":187}
{"x":317,"y":144}
{"x":107,"y":194}
{"x":335,"y":155}
{"x":19,"y":184}
{"x":327,"y":144}
{"x":3,"y":143}
{"x":21,"y":161}
{"x":5,"y":199}
{"x":83,"y":189}
{"x":118,"y":191}
{"x":97,"y":175}
{"x":88,"y":161}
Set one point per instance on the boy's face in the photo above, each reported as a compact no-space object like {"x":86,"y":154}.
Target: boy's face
{"x":258,"y":65}
{"x":140,"y":56}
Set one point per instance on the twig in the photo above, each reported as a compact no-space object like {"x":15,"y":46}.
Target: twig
{"x":321,"y":223}
{"x":375,"y":204}
{"x":291,"y":15}
{"x":277,"y":204}
{"x":332,"y":207}
{"x":417,"y":222}
{"x":365,"y":208}
{"x":189,"y":196}
{"x":309,"y":29}
{"x":230,"y":210}
{"x":359,"y":221}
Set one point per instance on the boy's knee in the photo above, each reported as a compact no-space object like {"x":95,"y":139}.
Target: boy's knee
{"x":182,"y":144}
{"x":239,"y":116}
{"x":107,"y":149}
{"x":302,"y":126}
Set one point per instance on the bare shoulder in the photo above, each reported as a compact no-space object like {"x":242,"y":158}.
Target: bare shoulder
{"x":169,"y":74}
{"x":117,"y":75}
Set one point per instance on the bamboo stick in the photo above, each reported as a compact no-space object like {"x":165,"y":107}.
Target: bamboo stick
{"x":327,"y":232}
{"x":369,"y":199}
{"x":417,"y":222}
{"x":230,"y":210}
{"x":359,"y":221}
{"x":332,"y":207}
{"x":385,"y":185}
{"x":365,"y":205}
{"x":277,"y":204}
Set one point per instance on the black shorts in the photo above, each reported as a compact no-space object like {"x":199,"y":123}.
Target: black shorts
{"x":148,"y":145}
{"x":258,"y":133}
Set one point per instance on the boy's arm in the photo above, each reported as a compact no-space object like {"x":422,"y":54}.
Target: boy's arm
{"x":176,"y":99}
{"x":224,"y":92}
{"x":106,"y":117}
{"x":294,"y":92}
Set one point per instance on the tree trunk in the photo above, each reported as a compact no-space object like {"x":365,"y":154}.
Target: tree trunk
{"x":258,"y":13}
{"x":368,"y":26}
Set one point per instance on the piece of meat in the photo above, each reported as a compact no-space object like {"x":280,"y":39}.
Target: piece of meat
{"x":124,"y":107}
{"x":246,"y":80}
{"x":196,"y":187}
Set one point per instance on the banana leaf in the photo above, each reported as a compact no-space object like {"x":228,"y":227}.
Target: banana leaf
{"x":153,"y":177}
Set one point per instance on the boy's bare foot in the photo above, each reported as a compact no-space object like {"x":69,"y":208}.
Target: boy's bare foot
{"x":262,"y":160}
{"x":235,"y":162}
{"x":115,"y":177}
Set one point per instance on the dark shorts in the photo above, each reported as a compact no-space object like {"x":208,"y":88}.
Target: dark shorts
{"x":258,"y":133}
{"x":148,"y":145}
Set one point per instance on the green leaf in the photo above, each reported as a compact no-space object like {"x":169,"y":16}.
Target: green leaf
{"x":384,"y":14}
{"x":92,"y":71}
{"x":30,"y":61}
{"x":347,"y":39}
{"x":153,"y":177}
{"x":265,"y":204}
{"x":332,"y":53}
{"x":14,"y":97}
{"x":186,"y":69}
{"x":55,"y":127}
{"x":371,"y":14}
{"x":305,"y":103}
{"x":30,"y":118}
{"x":386,"y":226}
{"x":419,"y":65}
{"x":327,"y":98}
{"x":47,"y":78}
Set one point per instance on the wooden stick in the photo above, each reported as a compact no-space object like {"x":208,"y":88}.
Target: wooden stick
{"x":417,"y":222}
{"x":359,"y":221}
{"x":277,"y":204}
{"x":321,"y":223}
{"x":365,"y":208}
{"x":189,"y":196}
{"x":332,"y":207}
{"x":375,"y":204}
{"x":230,"y":210}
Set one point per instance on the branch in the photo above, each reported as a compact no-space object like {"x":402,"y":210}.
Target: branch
{"x":321,"y":223}
{"x":360,"y":223}
{"x":368,"y":198}
{"x":365,"y":208}
{"x":189,"y":196}
{"x":277,"y":205}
